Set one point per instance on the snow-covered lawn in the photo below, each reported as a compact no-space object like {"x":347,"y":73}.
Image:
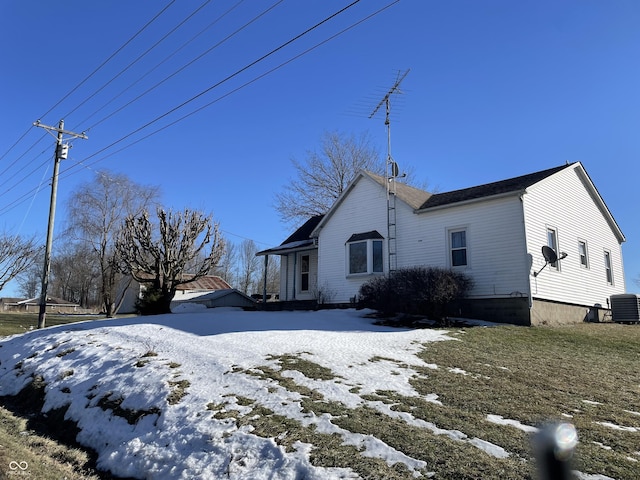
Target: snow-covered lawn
{"x":161,"y":375}
{"x":162,"y":397}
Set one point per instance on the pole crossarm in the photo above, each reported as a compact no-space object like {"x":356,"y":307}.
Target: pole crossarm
{"x":59,"y":130}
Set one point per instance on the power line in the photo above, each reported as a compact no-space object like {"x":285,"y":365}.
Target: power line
{"x":139,"y":57}
{"x":79,"y":85}
{"x":110,"y":57}
{"x":81,"y":163}
{"x":187,"y":64}
{"x":65,"y":172}
{"x":224,"y":80}
{"x":228,"y":11}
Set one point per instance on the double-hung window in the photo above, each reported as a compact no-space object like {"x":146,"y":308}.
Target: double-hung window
{"x":364,"y":253}
{"x":552,"y":241}
{"x":582,"y":252}
{"x":458,"y":247}
{"x":607,"y":267}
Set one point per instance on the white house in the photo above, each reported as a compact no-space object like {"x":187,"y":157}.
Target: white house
{"x":494,"y":233}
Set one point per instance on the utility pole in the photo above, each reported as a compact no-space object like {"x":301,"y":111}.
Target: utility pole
{"x":61,"y":153}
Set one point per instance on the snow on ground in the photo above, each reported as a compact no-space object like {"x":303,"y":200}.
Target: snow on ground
{"x":123,"y":382}
{"x":136,"y":364}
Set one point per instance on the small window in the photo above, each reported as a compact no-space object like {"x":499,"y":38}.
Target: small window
{"x":607,"y":267}
{"x":458,"y":242}
{"x":582,"y":252}
{"x":364,"y":252}
{"x":304,"y":273}
{"x":552,"y":241}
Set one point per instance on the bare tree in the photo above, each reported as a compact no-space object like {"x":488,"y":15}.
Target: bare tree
{"x":17,"y":255}
{"x":324,"y":174}
{"x":30,"y":279}
{"x":248,"y":266}
{"x":273,"y":274}
{"x":159,"y":261}
{"x":227,"y":266}
{"x":74,"y":275}
{"x":96,"y":211}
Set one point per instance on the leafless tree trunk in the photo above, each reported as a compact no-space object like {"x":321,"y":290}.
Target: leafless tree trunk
{"x":96,"y":212}
{"x":74,"y":275}
{"x":227,"y":265}
{"x":17,"y":254}
{"x":249,"y":266}
{"x":30,"y":279}
{"x":159,"y":260}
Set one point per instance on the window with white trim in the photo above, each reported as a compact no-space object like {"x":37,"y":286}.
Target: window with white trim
{"x":364,"y":253}
{"x":607,"y":267}
{"x":552,"y":241}
{"x":582,"y":253}
{"x":458,"y":254}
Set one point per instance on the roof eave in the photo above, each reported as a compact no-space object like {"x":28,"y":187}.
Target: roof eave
{"x":470,"y":201}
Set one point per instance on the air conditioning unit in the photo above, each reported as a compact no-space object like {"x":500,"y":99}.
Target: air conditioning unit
{"x":625,"y":308}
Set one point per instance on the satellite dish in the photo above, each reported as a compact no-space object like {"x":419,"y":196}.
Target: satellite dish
{"x":550,"y":257}
{"x":549,"y":254}
{"x":394,"y":169}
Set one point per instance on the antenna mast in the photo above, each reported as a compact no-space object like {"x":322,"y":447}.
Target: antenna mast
{"x":391,"y":173}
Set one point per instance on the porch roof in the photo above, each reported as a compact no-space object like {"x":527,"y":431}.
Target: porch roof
{"x":299,"y":240}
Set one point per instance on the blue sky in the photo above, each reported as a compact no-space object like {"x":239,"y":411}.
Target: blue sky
{"x":496,"y":89}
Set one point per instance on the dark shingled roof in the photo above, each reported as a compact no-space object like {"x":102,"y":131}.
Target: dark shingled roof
{"x":299,"y":239}
{"x":489,"y":189}
{"x":304,"y":232}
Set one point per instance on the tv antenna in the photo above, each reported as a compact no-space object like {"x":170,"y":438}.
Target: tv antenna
{"x":391,"y":172}
{"x":391,"y":168}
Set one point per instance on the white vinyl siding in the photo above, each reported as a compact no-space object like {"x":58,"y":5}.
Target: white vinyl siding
{"x":564,"y":201}
{"x":363,"y":210}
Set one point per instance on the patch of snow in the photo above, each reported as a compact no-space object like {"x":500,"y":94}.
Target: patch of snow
{"x":490,"y":448}
{"x":618,"y":427}
{"x":513,"y":423}
{"x":589,"y":476}
{"x":591,"y":402}
{"x":602,"y":445}
{"x":458,"y":370}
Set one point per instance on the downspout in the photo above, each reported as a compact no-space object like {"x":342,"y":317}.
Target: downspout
{"x":529,"y":263}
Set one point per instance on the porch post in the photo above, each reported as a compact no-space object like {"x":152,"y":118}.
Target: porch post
{"x":264,"y":284}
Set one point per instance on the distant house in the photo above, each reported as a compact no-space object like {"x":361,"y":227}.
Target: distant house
{"x":229,"y":297}
{"x":191,"y":292}
{"x":493,"y":232}
{"x":32,"y":305}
